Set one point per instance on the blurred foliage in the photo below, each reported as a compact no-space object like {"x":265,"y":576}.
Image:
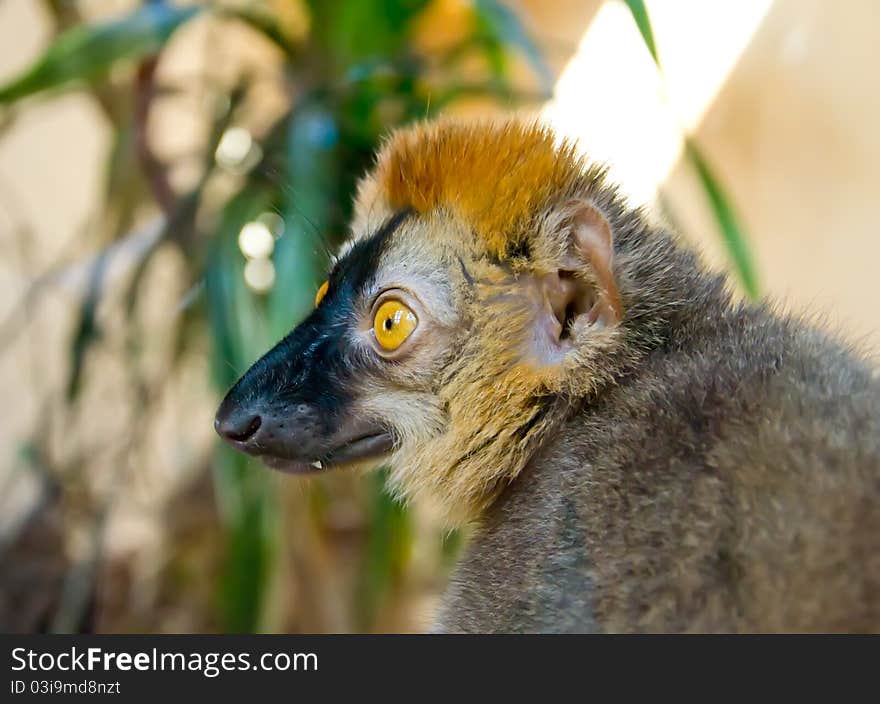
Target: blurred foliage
{"x":729,"y":226}
{"x":344,"y":73}
{"x":87,"y":53}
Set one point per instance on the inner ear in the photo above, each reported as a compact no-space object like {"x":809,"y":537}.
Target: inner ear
{"x":582,"y":292}
{"x":567,"y":298}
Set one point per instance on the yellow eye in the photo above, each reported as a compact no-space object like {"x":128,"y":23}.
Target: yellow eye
{"x":319,"y":296}
{"x":394,"y":322}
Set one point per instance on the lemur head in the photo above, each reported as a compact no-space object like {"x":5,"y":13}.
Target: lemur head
{"x":483,"y":296}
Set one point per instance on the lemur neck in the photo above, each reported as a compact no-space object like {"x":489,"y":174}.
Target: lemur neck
{"x":666,"y":287}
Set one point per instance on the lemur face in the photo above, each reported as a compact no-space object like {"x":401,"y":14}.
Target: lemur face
{"x":455,"y":330}
{"x":359,"y":376}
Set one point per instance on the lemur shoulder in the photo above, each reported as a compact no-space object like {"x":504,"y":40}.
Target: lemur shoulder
{"x":637,"y":450}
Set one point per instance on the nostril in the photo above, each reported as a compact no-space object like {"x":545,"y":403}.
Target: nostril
{"x":249,"y":431}
{"x":240,"y":429}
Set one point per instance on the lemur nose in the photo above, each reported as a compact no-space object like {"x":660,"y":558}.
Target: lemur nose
{"x":237,"y":426}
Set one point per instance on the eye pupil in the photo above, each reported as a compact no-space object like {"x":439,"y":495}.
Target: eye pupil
{"x":388,"y":323}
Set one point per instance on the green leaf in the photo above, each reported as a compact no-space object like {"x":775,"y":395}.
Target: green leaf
{"x":247,"y":504}
{"x":312,"y":190}
{"x":731,"y":232}
{"x":236,"y":322}
{"x":643,"y":22}
{"x":352,"y":30}
{"x":503,"y":29}
{"x":249,"y":511}
{"x":389,"y":542}
{"x":88,"y":52}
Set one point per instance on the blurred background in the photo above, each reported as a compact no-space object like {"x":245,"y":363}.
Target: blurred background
{"x":172,"y":175}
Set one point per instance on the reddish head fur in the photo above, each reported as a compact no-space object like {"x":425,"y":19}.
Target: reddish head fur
{"x":495,"y":179}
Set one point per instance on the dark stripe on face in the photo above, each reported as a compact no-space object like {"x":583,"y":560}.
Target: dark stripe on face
{"x":353,"y":271}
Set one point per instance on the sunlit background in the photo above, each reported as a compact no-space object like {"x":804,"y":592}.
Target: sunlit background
{"x":174,"y":174}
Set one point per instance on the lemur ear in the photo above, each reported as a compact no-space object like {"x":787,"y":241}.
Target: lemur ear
{"x":581,"y":292}
{"x":593,"y":246}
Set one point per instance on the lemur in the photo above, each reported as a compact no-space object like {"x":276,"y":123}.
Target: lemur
{"x":637,"y":450}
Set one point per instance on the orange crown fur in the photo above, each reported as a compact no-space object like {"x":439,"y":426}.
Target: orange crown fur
{"x":497,"y":177}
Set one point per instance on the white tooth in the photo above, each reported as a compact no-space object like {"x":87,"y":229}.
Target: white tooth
{"x":317,"y":464}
